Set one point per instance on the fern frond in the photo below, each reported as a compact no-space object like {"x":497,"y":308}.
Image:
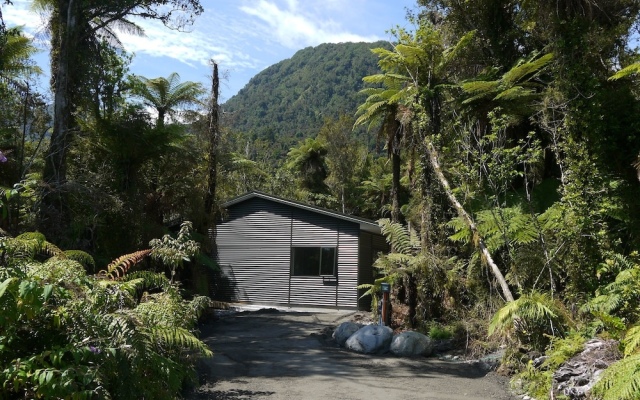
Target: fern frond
{"x":515,"y":93}
{"x":480,"y":87}
{"x":149,"y":280}
{"x":82,"y":257}
{"x":175,"y":337}
{"x":632,"y":69}
{"x":526,"y":70}
{"x":621,"y":381}
{"x":51,"y":250}
{"x":632,"y":341}
{"x":397,"y":236}
{"x":119,"y":267}
{"x":535,"y":307}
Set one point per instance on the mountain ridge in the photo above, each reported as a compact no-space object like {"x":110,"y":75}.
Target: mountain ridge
{"x":291,"y":100}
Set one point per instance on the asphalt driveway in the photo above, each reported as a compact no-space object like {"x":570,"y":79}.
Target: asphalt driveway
{"x":285,"y":355}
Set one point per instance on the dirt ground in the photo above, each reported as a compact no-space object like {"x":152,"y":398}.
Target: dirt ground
{"x":285,"y":355}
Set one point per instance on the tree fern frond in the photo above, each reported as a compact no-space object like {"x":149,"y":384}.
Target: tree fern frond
{"x":412,"y":53}
{"x":526,"y":70}
{"x":453,"y":52}
{"x":632,"y":341}
{"x":462,"y":233}
{"x":515,"y":93}
{"x":621,"y":381}
{"x":533,"y":308}
{"x":397,"y":236}
{"x":176,"y":337}
{"x":149,"y":280}
{"x":481,"y":88}
{"x":629,"y":70}
{"x":82,"y":257}
{"x":119,"y":267}
{"x":376,"y":78}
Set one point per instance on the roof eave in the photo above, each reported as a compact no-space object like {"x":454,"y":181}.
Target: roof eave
{"x":365,"y":225}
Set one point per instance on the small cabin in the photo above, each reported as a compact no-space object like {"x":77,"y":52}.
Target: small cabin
{"x":282,"y":252}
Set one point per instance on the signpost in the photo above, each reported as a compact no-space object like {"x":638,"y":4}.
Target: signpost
{"x":384,"y":315}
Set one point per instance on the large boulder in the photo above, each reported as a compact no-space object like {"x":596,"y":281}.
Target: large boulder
{"x":344,"y":331}
{"x":371,"y":339}
{"x":411,"y":344}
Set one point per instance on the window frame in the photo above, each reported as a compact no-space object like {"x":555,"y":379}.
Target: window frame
{"x":320,"y":259}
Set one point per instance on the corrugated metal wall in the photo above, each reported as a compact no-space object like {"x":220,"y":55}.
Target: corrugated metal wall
{"x":316,"y":230}
{"x":348,"y":264}
{"x":253,"y":251}
{"x":254,"y":247}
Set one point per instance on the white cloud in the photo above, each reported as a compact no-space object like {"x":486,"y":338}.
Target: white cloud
{"x":20,"y":13}
{"x":293,"y":27}
{"x":191,"y":48}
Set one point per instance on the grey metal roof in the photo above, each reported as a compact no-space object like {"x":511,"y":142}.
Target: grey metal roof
{"x":366,"y":225}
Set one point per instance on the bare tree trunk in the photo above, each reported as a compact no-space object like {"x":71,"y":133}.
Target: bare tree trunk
{"x":478,"y":239}
{"x":395,"y":186}
{"x":214,"y":136}
{"x":53,"y":215}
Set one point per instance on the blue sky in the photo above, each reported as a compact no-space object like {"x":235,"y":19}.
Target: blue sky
{"x":243,"y":36}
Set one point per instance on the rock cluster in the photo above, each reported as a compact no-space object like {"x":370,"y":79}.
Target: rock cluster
{"x":377,"y":339}
{"x":576,"y":377}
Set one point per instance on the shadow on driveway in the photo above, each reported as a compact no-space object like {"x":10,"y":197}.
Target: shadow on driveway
{"x":284,"y":355}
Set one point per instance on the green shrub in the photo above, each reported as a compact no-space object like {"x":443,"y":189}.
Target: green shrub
{"x":64,"y":334}
{"x":438,"y":332}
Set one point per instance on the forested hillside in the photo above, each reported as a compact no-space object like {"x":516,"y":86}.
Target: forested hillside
{"x":292,"y":99}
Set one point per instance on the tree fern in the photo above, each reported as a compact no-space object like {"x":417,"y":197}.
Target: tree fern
{"x":532,"y":318}
{"x":622,"y":296}
{"x":621,"y":381}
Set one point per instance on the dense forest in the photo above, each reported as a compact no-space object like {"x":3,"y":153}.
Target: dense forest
{"x":507,"y":182}
{"x":291,"y":99}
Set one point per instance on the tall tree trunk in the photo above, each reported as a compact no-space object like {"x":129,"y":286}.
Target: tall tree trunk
{"x":214,"y":136}
{"x":54,"y":217}
{"x":395,"y":185}
{"x":478,"y":239}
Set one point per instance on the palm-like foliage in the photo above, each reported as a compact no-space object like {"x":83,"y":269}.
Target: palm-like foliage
{"x":620,"y":298}
{"x":308,"y":160}
{"x":533,"y":318}
{"x":167,"y":95}
{"x":408,"y":261}
{"x":15,"y":56}
{"x":514,"y":91}
{"x":630,"y":70}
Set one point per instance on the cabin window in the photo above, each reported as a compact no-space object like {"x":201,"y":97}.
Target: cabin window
{"x":314,"y":261}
